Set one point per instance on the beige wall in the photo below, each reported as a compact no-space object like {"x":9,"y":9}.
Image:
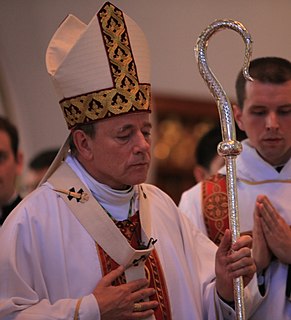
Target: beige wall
{"x":172,"y":27}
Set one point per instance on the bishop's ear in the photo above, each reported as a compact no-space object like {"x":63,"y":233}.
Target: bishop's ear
{"x":83,"y":144}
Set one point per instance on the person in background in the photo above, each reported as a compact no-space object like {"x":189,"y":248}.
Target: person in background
{"x":11,"y":164}
{"x":207,"y":160}
{"x":263,"y":111}
{"x":94,"y":241}
{"x":37,"y":168}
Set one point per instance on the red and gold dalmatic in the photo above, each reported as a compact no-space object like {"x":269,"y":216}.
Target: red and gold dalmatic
{"x":131,"y":229}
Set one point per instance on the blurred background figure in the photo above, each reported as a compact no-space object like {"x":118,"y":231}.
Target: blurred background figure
{"x":37,"y":167}
{"x":11,"y":165}
{"x":207,"y":160}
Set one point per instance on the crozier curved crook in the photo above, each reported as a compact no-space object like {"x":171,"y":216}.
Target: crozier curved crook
{"x":229,"y":148}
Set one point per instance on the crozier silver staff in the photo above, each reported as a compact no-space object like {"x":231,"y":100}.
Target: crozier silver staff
{"x":229,"y":148}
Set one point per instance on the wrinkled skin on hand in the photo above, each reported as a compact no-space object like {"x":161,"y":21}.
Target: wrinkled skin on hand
{"x":233,"y":261}
{"x":117,"y":302}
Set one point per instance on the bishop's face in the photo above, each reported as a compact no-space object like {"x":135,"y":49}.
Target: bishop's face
{"x":119,"y":153}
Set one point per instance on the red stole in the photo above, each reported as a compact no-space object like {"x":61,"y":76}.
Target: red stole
{"x":131,"y":229}
{"x":215,"y":206}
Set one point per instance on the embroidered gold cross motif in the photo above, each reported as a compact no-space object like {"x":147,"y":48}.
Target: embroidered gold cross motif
{"x":80,"y":196}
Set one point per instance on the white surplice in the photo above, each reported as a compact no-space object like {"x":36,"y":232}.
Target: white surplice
{"x":255,"y":176}
{"x":48,"y":260}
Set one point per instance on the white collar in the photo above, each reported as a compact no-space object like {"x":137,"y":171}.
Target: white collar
{"x":116,"y":202}
{"x":251,"y":166}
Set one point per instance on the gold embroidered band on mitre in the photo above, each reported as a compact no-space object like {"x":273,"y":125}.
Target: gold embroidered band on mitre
{"x":128,"y":95}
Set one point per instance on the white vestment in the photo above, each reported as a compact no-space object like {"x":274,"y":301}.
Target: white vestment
{"x":48,"y":261}
{"x":255,"y":176}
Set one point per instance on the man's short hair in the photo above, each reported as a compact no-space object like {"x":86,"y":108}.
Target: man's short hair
{"x":89,"y":129}
{"x":11,"y":130}
{"x":206,"y":149}
{"x":266,"y":70}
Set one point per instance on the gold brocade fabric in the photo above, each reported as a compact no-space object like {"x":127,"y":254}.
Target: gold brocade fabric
{"x":215,"y":206}
{"x":130,"y":228}
{"x":127,"y":94}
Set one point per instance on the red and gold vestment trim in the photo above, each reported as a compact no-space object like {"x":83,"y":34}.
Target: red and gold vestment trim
{"x":130,"y":228}
{"x":215,"y":206}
